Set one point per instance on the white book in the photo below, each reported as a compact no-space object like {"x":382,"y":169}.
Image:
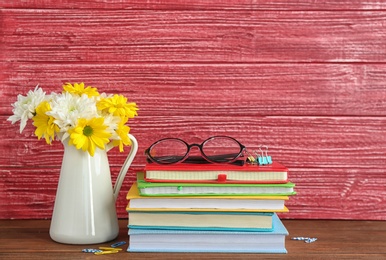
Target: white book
{"x":210,"y":220}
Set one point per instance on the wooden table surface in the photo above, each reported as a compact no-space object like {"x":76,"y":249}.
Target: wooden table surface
{"x":337,"y":239}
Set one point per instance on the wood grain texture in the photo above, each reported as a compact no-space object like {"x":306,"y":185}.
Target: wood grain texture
{"x":305,"y":78}
{"x":240,"y":89}
{"x":65,"y":35}
{"x":336,"y":240}
{"x":200,"y":4}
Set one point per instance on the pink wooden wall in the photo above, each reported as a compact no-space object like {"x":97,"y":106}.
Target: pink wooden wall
{"x":307,"y":78}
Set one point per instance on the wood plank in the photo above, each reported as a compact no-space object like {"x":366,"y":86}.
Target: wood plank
{"x":323,"y":142}
{"x":336,"y":240}
{"x":120,"y":36}
{"x":215,"y":89}
{"x":202,"y":4}
{"x":344,"y":194}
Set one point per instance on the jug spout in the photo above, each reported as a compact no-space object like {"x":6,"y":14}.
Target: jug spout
{"x":125,"y":166}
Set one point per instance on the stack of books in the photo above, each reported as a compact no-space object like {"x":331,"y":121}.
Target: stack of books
{"x":208,"y":208}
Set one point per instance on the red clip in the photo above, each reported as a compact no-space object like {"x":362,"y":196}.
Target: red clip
{"x":222,"y":178}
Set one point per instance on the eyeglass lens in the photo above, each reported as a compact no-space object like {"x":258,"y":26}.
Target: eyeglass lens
{"x":218,"y":149}
{"x":168,"y":151}
{"x":221,"y":149}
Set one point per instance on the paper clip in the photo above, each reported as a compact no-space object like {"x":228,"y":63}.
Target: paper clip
{"x":305,"y":239}
{"x":91,"y":250}
{"x":311,"y":240}
{"x":110,"y":248}
{"x":118,"y":244}
{"x":300,"y":238}
{"x":106,"y":252}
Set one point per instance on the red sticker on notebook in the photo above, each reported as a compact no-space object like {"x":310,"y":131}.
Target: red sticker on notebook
{"x":222,"y":178}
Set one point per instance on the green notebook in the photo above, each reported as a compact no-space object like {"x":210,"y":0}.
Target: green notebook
{"x":211,"y":189}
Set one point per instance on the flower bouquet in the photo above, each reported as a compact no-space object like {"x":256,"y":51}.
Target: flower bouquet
{"x":88,"y":119}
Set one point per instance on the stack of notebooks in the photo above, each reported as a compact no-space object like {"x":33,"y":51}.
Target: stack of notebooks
{"x":208,"y":208}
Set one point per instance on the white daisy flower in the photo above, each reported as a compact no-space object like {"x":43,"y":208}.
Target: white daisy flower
{"x":67,"y":109}
{"x":25,"y":106}
{"x":112,"y":124}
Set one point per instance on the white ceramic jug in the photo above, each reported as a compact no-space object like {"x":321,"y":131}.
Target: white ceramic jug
{"x":84,"y":210}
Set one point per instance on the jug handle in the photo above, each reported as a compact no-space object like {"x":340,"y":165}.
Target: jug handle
{"x":125,"y":166}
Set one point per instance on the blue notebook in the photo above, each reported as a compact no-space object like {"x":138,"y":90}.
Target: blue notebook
{"x":164,"y":240}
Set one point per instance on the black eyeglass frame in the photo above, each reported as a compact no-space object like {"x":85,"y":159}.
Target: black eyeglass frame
{"x":200,"y":146}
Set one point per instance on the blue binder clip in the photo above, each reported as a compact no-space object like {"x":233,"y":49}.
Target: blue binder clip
{"x":269,"y":158}
{"x":262,"y":160}
{"x":263,"y":157}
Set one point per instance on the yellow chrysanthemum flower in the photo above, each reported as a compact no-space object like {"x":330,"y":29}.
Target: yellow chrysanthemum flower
{"x":122,"y":131}
{"x":117,"y":105}
{"x":78,"y":89}
{"x":89,"y":134}
{"x":45,"y":126}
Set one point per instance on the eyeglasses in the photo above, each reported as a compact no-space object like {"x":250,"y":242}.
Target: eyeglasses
{"x":216,"y":149}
